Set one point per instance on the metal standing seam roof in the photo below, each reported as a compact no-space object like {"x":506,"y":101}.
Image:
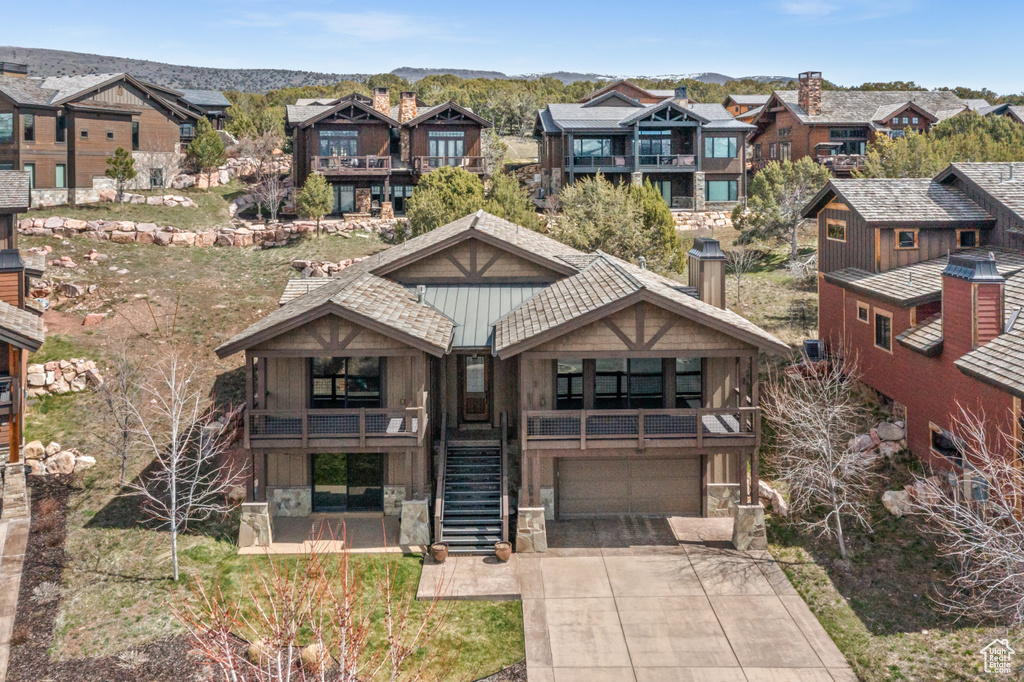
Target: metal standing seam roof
{"x":15,"y":193}
{"x":559,"y":116}
{"x":894,"y":200}
{"x":474,"y":308}
{"x":21,"y":328}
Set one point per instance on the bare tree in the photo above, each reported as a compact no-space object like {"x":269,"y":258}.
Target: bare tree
{"x":739,"y":262}
{"x":978,"y":522}
{"x":260,"y":148}
{"x":270,"y":190}
{"x":815,"y":412}
{"x":120,"y":395}
{"x":316,"y":619}
{"x":187,"y":483}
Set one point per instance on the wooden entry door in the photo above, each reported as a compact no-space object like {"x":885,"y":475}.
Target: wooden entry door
{"x":475,"y":387}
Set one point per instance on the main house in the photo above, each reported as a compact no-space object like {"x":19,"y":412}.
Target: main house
{"x":833,"y":127}
{"x":62,"y":129}
{"x":922,"y":281}
{"x":693,"y":153}
{"x":482,"y":364}
{"x":21,"y":326}
{"x":373,"y":154}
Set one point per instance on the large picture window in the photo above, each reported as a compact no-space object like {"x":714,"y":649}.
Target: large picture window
{"x":6,"y":127}
{"x":446,"y":147}
{"x":722,"y":190}
{"x":628,"y":384}
{"x":592,"y":146}
{"x":346,"y":382}
{"x":569,"y":380}
{"x":688,"y":383}
{"x":654,"y":143}
{"x":339,"y":143}
{"x":719,"y":147}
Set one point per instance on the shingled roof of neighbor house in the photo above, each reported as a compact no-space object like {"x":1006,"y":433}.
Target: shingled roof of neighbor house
{"x":20,"y":327}
{"x":859,"y":107}
{"x":899,"y":200}
{"x":15,"y":190}
{"x":1003,"y":182}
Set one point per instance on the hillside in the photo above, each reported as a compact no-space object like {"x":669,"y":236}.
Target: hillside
{"x":44,"y":62}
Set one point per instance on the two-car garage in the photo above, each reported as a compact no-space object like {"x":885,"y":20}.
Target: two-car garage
{"x":645,"y":485}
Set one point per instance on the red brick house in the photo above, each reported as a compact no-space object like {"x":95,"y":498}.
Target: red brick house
{"x":922,"y":281}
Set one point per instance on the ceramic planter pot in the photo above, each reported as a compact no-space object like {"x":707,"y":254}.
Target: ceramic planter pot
{"x":503,"y":550}
{"x":439,"y":550}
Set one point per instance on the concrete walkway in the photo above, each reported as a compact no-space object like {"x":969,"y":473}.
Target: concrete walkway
{"x":14,"y":539}
{"x":685,"y":610}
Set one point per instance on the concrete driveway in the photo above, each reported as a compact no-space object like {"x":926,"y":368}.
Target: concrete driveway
{"x":681,"y":609}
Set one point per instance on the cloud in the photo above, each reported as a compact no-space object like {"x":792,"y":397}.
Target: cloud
{"x":846,"y":10}
{"x":359,"y":27}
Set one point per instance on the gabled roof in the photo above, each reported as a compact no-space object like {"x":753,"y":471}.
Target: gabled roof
{"x":20,"y":328}
{"x":14,"y":191}
{"x":1003,"y":182}
{"x":303,"y":117}
{"x":562,"y":117}
{"x":758,"y":100}
{"x":612,"y":94}
{"x":431,"y":112}
{"x":652,"y":94}
{"x":887,"y":111}
{"x":899,"y":200}
{"x":54,"y":91}
{"x":206,"y":98}
{"x":860,"y":108}
{"x":604,"y":286}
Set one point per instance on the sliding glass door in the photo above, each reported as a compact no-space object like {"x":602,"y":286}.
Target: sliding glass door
{"x":348,"y":482}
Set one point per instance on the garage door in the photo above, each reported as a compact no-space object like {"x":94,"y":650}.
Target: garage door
{"x":606,"y":487}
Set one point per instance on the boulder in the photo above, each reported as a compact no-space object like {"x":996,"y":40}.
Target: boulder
{"x":890,"y":432}
{"x":108,"y":195}
{"x":34,"y":450}
{"x":236,"y":495}
{"x":36,"y":379}
{"x":71,"y":223}
{"x":861,"y":443}
{"x":206,"y":238}
{"x":83,"y":462}
{"x":897,"y":502}
{"x":53,"y":222}
{"x":71,"y":290}
{"x":889,"y":448}
{"x":184,"y":238}
{"x":182,"y":181}
{"x":61,"y":463}
{"x":162,"y":238}
{"x":93,"y":318}
{"x":119,"y":237}
{"x":52,"y":449}
{"x":145,"y":227}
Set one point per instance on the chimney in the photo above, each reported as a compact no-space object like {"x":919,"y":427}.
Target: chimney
{"x":809,"y":97}
{"x":382,"y":100}
{"x":13,"y":69}
{"x":421,"y":292}
{"x":706,"y":268}
{"x":972,"y":303}
{"x":681,"y":95}
{"x":407,"y":107}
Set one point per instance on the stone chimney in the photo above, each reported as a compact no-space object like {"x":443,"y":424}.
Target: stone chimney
{"x":706,"y":268}
{"x":382,"y":100}
{"x":682,"y":95}
{"x":972,"y":303}
{"x":407,"y":107}
{"x":809,"y":97}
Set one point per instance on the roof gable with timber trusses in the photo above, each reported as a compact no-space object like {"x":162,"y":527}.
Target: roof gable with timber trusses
{"x":448,"y":113}
{"x":350,"y":111}
{"x":668,"y":111}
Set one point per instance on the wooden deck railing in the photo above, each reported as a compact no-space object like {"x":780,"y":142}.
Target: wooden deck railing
{"x":609,"y":428}
{"x":473,"y":164}
{"x":351,"y":164}
{"x":843,"y":162}
{"x":383,"y":425}
{"x":619,"y":160}
{"x":668,"y":160}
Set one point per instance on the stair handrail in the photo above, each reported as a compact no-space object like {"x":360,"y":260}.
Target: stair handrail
{"x":439,"y":494}
{"x":503,"y":425}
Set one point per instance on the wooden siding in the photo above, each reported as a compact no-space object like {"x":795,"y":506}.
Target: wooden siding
{"x":931,"y":243}
{"x":479,"y":261}
{"x":1006,"y":220}
{"x":10,"y":288}
{"x":287,"y":383}
{"x":307,"y":338}
{"x":421,"y":137}
{"x":87,"y":158}
{"x":158,"y":131}
{"x":288,"y":469}
{"x":858,"y":251}
{"x":727,"y":165}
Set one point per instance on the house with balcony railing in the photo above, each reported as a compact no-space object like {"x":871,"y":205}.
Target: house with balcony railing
{"x":484,"y":366}
{"x":373,"y":152}
{"x":692,"y":152}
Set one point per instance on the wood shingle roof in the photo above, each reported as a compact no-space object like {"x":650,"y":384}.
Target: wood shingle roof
{"x":21,"y":328}
{"x":14,"y":190}
{"x":900,"y":200}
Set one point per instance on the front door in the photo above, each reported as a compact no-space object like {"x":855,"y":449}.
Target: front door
{"x":475,"y":385}
{"x":344,"y":199}
{"x":348,"y":482}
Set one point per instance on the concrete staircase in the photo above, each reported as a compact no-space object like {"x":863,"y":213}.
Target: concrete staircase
{"x":471,"y":519}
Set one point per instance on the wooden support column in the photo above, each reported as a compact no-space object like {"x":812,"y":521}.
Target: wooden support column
{"x":523,"y":407}
{"x":571,"y":165}
{"x":17,"y":414}
{"x":744,"y":491}
{"x":535,"y":496}
{"x":410,"y":478}
{"x":636,"y":147}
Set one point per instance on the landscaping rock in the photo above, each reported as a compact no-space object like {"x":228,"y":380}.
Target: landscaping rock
{"x":890,"y":432}
{"x":52,"y":449}
{"x":61,"y":463}
{"x":93,"y":319}
{"x":861,"y":443}
{"x":889,"y":448}
{"x":897,"y":502}
{"x":34,"y":450}
{"x":71,"y":290}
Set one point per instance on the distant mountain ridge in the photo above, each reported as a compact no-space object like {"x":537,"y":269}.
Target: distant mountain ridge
{"x":46,"y":62}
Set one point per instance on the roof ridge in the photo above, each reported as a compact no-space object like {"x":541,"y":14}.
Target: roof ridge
{"x":608,"y":258}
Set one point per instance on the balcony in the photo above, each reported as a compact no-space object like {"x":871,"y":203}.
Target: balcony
{"x":668,"y":162}
{"x":608,"y":164}
{"x":843,"y":163}
{"x":364,"y":428}
{"x":351,"y":165}
{"x":592,"y":429}
{"x":472,"y":164}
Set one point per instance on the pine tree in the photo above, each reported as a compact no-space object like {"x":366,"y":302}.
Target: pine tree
{"x":121,"y":169}
{"x":442,"y":196}
{"x":206,"y":151}
{"x":315,"y":199}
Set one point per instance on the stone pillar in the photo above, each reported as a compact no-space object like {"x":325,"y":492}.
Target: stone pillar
{"x":748,"y":529}
{"x":15,"y":494}
{"x":363,"y":201}
{"x":531,"y":530}
{"x":636,"y":178}
{"x":387,"y":212}
{"x":254,"y":528}
{"x":415,"y":529}
{"x":394,"y":495}
{"x":698,"y":191}
{"x":722,"y":499}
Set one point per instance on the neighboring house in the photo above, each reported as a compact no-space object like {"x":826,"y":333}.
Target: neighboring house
{"x":745,"y":107}
{"x":373,"y":153}
{"x":834,"y":127}
{"x":212,"y":103}
{"x":693,"y":153}
{"x":1014,"y":112}
{"x":62,"y":129}
{"x":21,"y":327}
{"x":482,"y":359}
{"x":929,"y":331}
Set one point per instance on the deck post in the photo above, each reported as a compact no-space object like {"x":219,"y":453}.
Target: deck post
{"x":535,"y":494}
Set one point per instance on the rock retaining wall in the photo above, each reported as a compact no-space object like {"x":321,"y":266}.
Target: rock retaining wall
{"x":702,"y":220}
{"x":52,"y":459}
{"x":62,"y":376}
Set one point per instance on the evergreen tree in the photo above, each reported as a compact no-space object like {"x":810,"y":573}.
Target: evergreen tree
{"x":508,"y":200}
{"x":315,"y":199}
{"x":121,"y":169}
{"x":443,"y":195}
{"x":206,"y":151}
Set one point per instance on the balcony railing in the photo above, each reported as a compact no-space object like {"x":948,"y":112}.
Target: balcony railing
{"x":368,"y":426}
{"x":5,"y":390}
{"x":668,"y":160}
{"x":617,"y":161}
{"x":351,"y":164}
{"x":473,"y":164}
{"x":643,"y":428}
{"x":843,"y":162}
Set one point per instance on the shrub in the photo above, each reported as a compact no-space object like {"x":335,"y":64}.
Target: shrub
{"x":442,"y":196}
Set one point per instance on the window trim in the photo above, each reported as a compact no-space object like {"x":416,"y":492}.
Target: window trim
{"x":861,"y":305}
{"x":977,"y":238}
{"x":896,"y":239}
{"x":84,"y":133}
{"x":56,"y":175}
{"x":933,"y":429}
{"x":30,"y":166}
{"x":840,"y":223}
{"x":874,"y":329}
{"x":27,"y":127}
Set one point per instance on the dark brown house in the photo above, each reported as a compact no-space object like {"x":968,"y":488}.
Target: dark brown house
{"x":373,"y":153}
{"x":833,"y":127}
{"x":693,"y":153}
{"x":484,"y":363}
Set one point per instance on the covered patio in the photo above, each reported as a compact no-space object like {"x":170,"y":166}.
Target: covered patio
{"x":366,"y":533}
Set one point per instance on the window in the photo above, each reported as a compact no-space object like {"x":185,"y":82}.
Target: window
{"x":966,"y":239}
{"x":6,"y":166}
{"x":906,"y":239}
{"x":61,"y":176}
{"x":84,"y":134}
{"x":631,"y":384}
{"x":785,"y":151}
{"x":6,"y":127}
{"x":688,"y":383}
{"x":835,"y":230}
{"x":905,"y":120}
{"x":156,"y":177}
{"x":31,"y":168}
{"x":346,"y":382}
{"x":188,"y":130}
{"x":883,"y":331}
{"x":135,"y":136}
{"x":592,"y":146}
{"x":110,"y":134}
{"x":915,"y":120}
{"x":654,"y":143}
{"x":757,"y":150}
{"x":61,"y":131}
{"x":862,"y":312}
{"x":852,"y":140}
{"x":28,"y":129}
{"x":722,"y":190}
{"x":945,"y":445}
{"x":786,"y":132}
{"x":719,"y":147}
{"x":773,"y":150}
{"x":446,"y":147}
{"x":569,"y":382}
{"x":339,"y":143}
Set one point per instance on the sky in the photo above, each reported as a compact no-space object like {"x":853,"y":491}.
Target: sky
{"x":932,"y":42}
